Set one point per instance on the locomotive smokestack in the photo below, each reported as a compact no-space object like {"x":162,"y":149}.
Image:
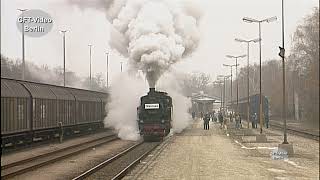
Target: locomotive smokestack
{"x":152,"y":90}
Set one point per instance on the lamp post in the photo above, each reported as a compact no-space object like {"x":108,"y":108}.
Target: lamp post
{"x":219,"y":82}
{"x":268,"y":20}
{"x":23,"y":58}
{"x":90,"y":46}
{"x":233,"y":65}
{"x":236,"y":57}
{"x":107,"y":53}
{"x":224,"y":89}
{"x":282,"y":54}
{"x":248,"y":91}
{"x":64,"y":55}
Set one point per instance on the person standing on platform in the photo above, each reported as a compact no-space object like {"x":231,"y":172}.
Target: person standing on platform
{"x":206,"y":121}
{"x":220,"y":117}
{"x":213,"y":115}
{"x":255,"y":120}
{"x":237,"y":119}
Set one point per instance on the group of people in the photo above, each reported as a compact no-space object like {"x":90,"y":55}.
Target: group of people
{"x":254,"y":121}
{"x":215,"y":117}
{"x":237,"y":118}
{"x":218,"y":117}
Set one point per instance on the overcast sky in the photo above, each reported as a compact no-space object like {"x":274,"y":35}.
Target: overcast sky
{"x":220,"y":24}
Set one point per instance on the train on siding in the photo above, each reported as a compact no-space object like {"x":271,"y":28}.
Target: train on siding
{"x":155,"y":115}
{"x":254,"y":103}
{"x":33,"y":111}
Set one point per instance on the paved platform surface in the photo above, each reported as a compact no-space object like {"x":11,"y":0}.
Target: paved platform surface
{"x":198,"y":154}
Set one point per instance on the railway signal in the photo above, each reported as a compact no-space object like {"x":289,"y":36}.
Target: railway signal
{"x":282,"y":52}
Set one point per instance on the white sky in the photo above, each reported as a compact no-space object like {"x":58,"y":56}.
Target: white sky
{"x":220,"y":24}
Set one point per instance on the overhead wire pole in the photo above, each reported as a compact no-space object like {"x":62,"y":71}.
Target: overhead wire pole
{"x":236,"y":57}
{"x":107,"y":53}
{"x":251,"y":20}
{"x":64,"y":55}
{"x":220,"y":85}
{"x":121,"y":66}
{"x":224,"y":89}
{"x":90,"y":45}
{"x":282,"y":54}
{"x":248,"y":89}
{"x":23,"y":55}
{"x":227,"y":65}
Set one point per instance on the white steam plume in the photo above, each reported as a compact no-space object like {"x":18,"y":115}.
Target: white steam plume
{"x":181,"y":104}
{"x":154,"y":34}
{"x":125,"y":96}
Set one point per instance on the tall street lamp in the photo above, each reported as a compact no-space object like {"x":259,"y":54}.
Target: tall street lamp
{"x":268,"y":20}
{"x":224,"y":89}
{"x":233,"y":65}
{"x":219,"y":82}
{"x":23,"y":60}
{"x":107,"y":53}
{"x":64,"y":55}
{"x":90,"y":46}
{"x":248,"y":91}
{"x":236,"y":57}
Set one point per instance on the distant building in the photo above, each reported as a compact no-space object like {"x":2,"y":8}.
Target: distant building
{"x":202,"y":102}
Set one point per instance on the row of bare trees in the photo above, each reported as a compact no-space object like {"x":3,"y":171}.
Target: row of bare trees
{"x":13,"y":69}
{"x":302,"y":77}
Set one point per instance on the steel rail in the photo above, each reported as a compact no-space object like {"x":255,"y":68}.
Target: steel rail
{"x":106,"y":162}
{"x":298,"y":132}
{"x":28,"y":164}
{"x":122,"y":173}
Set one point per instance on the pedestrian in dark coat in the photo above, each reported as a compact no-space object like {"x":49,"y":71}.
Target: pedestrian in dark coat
{"x":206,"y":121}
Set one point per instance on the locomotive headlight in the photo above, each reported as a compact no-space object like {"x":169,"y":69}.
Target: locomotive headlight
{"x":141,"y":121}
{"x":162,"y":121}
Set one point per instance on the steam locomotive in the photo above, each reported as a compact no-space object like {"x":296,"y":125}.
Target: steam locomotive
{"x":155,"y":115}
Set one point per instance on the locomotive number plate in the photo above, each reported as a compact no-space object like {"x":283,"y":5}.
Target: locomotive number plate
{"x":151,"y":106}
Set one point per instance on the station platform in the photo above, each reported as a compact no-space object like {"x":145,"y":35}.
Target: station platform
{"x":219,"y":153}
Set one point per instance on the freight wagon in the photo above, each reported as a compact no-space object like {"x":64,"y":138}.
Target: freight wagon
{"x":32,"y":111}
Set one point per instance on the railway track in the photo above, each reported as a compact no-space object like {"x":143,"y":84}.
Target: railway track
{"x":118,"y":166}
{"x":298,"y":132}
{"x":28,"y":164}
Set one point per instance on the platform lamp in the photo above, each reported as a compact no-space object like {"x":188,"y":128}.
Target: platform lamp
{"x":248,"y":90}
{"x":251,"y":20}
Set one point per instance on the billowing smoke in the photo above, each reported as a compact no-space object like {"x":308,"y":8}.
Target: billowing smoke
{"x":122,"y":113}
{"x":154,"y":34}
{"x":181,"y":104}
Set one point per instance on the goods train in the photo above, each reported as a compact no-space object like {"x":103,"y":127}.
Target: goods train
{"x":254,"y":106}
{"x":33,"y":111}
{"x":154,"y":115}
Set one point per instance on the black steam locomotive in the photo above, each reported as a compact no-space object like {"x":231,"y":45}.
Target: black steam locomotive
{"x":154,"y":115}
